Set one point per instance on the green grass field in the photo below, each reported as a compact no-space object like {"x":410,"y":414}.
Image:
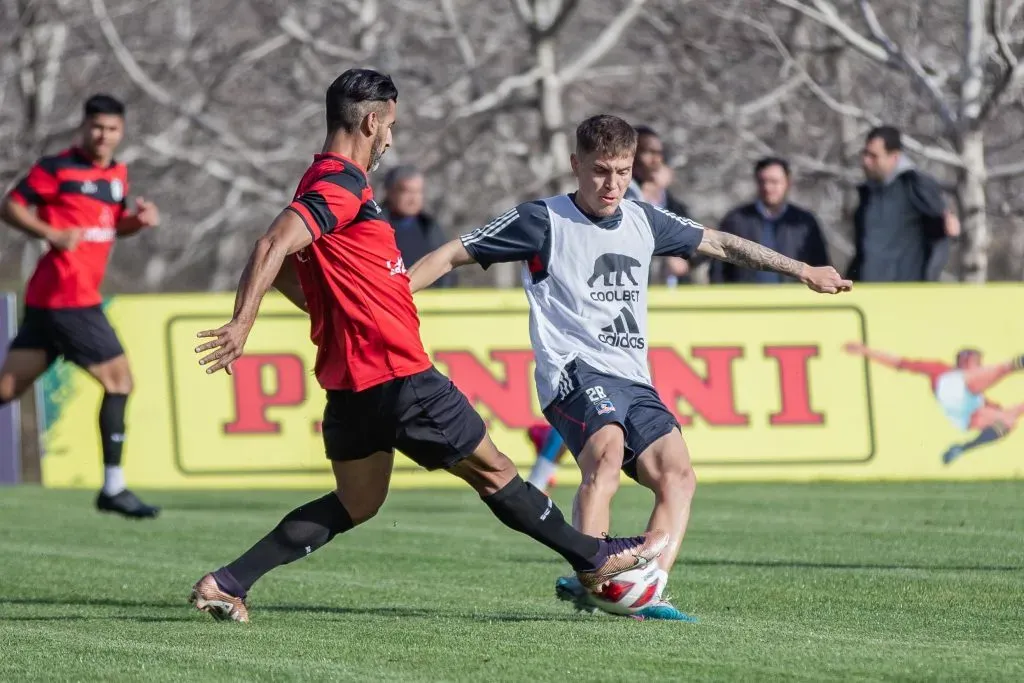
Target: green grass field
{"x":792,"y":582}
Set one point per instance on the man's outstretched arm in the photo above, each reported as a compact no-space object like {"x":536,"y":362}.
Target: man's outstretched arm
{"x":519,"y":234}
{"x":287,"y":282}
{"x":736,"y":250}
{"x":437,"y":264}
{"x":287,"y":235}
{"x":885,"y":358}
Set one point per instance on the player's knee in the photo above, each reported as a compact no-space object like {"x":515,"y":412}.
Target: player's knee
{"x":362,"y":506}
{"x":118,"y":383}
{"x":602,"y":473}
{"x":677,"y":482}
{"x":487,"y":475}
{"x":603,"y":480}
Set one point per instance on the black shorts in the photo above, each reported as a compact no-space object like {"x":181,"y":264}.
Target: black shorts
{"x":81,"y":335}
{"x":595,"y":400}
{"x":424,"y":416}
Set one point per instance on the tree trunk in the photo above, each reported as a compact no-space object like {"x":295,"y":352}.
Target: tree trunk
{"x":971,"y":196}
{"x":971,"y":179}
{"x":554,"y":144}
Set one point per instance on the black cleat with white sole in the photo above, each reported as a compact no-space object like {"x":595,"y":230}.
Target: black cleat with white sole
{"x":127,"y":504}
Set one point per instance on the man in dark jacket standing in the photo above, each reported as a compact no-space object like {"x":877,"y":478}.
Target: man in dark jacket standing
{"x":774,"y":223}
{"x":902,"y":226}
{"x":416,"y":232}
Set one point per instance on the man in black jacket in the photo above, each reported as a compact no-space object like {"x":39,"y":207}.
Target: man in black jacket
{"x":417,"y":233}
{"x":902,"y":227}
{"x":774,"y":223}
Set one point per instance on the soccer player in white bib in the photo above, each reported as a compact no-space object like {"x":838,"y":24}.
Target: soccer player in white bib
{"x":586,"y":259}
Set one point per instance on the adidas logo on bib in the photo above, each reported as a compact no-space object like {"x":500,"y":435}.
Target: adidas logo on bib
{"x":623,"y":331}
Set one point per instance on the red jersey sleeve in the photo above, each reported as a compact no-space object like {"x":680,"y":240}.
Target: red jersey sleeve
{"x":923,"y":367}
{"x":38,"y":187}
{"x":330,"y":203}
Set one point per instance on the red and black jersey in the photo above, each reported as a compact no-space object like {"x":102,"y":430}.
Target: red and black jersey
{"x":363,"y":318}
{"x":70,"y":191}
{"x":933,"y":369}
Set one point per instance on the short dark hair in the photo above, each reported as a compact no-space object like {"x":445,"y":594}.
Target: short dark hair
{"x":771,"y":161}
{"x":963,"y":354}
{"x":606,"y":135}
{"x":399,"y":174}
{"x":889,"y":135}
{"x":353,"y":93}
{"x":103,"y":104}
{"x":642,"y":131}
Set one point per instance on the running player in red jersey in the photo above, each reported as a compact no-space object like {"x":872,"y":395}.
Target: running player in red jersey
{"x":960,"y":390}
{"x":77,"y":201}
{"x":331,"y":254}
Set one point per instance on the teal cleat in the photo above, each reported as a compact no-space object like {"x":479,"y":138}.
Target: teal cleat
{"x":664,"y":610}
{"x":569,"y":589}
{"x":952,"y":454}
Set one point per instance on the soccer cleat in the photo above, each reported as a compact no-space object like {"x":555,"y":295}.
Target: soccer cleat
{"x":126,"y":503}
{"x":208,"y":597}
{"x":569,"y":589}
{"x":952,"y":454}
{"x":623,"y":554}
{"x":665,"y":611}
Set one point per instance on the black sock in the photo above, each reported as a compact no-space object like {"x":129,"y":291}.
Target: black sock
{"x":987,"y":435}
{"x":1018,"y":363}
{"x":522,"y":507}
{"x":303,"y":530}
{"x":112,"y":427}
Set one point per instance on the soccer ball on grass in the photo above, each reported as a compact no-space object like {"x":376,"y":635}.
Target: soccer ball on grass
{"x":629,"y":592}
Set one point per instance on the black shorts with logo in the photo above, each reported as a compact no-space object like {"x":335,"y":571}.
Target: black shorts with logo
{"x":424,"y":416}
{"x":81,"y":335}
{"x":593,"y":399}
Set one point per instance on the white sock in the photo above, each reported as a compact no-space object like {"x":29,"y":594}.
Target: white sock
{"x":542,"y":471}
{"x":113,"y":479}
{"x":662,"y":577}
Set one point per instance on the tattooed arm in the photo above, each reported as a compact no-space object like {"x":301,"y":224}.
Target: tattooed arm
{"x":728,"y":247}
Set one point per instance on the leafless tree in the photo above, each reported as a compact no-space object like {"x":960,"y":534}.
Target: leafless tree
{"x":225,"y":105}
{"x":959,"y":63}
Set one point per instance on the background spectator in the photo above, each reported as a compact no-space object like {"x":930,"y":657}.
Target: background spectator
{"x":901,"y":226}
{"x":416,"y":231}
{"x":652,"y":177}
{"x":772,"y":222}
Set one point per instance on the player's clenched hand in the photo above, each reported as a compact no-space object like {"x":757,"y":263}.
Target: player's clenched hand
{"x":226,"y":343}
{"x":146,"y":213}
{"x":825,"y":279}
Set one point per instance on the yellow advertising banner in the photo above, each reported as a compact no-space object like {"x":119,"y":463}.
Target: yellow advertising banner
{"x":772,"y":383}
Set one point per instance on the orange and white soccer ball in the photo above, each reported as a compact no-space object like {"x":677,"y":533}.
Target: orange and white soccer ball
{"x":629,"y":592}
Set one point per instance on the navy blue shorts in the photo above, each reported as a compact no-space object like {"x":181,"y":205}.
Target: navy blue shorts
{"x":83,"y":336}
{"x":425,"y":416}
{"x":595,"y":399}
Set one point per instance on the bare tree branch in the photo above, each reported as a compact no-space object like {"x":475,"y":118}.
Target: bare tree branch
{"x":499,"y":93}
{"x":565,"y":10}
{"x":1006,"y":171}
{"x":825,"y":13}
{"x":1012,"y":75}
{"x":928,"y":151}
{"x":604,"y":42}
{"x":910,"y":64}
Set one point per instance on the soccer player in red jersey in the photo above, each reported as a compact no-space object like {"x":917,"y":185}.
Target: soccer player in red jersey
{"x":330,"y":253}
{"x":77,"y":201}
{"x":960,"y":391}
